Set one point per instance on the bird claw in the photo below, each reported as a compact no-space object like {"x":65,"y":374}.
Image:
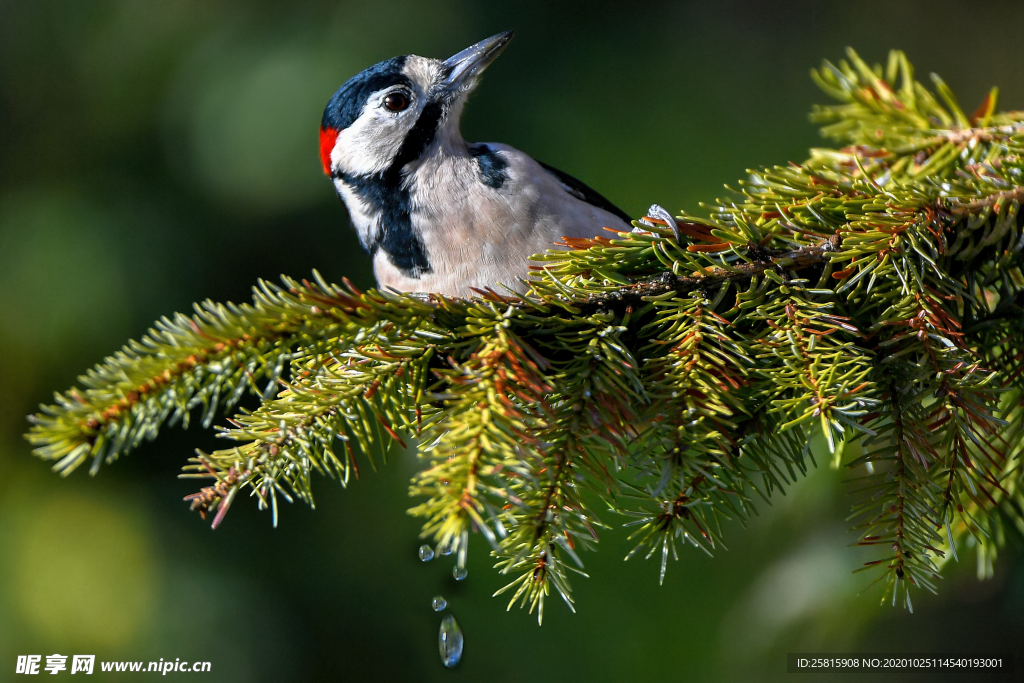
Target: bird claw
{"x":659,"y":214}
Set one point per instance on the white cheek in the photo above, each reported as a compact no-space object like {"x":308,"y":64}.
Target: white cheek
{"x":369,"y":144}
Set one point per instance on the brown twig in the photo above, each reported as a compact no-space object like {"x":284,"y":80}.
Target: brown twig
{"x":1015,"y":194}
{"x":666,"y":282}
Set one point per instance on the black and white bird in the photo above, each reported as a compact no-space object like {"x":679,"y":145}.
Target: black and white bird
{"x":439,"y":214}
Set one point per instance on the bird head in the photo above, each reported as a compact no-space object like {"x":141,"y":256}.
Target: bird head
{"x":388,"y":115}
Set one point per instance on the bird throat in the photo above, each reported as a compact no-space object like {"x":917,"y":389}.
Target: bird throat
{"x":391,"y":212}
{"x":389,"y":197}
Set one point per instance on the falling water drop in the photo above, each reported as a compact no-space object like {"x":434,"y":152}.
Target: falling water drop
{"x":449,"y":641}
{"x":459,"y":572}
{"x":438,"y":603}
{"x":426,"y":553}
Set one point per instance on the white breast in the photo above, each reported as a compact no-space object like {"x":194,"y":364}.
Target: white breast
{"x":477,"y":236}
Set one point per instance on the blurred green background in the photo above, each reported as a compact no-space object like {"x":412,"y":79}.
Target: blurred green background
{"x":157,"y":153}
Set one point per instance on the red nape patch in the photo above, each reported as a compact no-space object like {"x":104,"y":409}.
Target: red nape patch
{"x":328,"y":136}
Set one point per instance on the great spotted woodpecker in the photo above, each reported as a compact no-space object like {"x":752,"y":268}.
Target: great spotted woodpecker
{"x":437,"y":213}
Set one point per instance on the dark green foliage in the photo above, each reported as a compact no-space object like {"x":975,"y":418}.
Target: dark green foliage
{"x":872,"y":294}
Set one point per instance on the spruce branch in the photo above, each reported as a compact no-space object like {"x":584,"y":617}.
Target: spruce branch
{"x":208,"y":359}
{"x":672,"y":375}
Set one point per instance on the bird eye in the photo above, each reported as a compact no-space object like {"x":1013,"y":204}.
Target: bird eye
{"x":396,"y":101}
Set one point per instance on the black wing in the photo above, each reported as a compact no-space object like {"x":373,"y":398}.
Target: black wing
{"x":585,"y":193}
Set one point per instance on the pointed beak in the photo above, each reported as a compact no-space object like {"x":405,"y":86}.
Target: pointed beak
{"x":464,"y":68}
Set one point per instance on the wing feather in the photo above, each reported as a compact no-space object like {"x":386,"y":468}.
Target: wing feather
{"x":585,"y":193}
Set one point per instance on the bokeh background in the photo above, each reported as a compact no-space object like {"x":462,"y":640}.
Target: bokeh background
{"x":157,"y":153}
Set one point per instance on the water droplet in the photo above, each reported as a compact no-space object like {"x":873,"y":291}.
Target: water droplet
{"x":459,"y":572}
{"x":446,"y":549}
{"x":426,"y":553}
{"x":438,"y":603}
{"x":449,"y":641}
